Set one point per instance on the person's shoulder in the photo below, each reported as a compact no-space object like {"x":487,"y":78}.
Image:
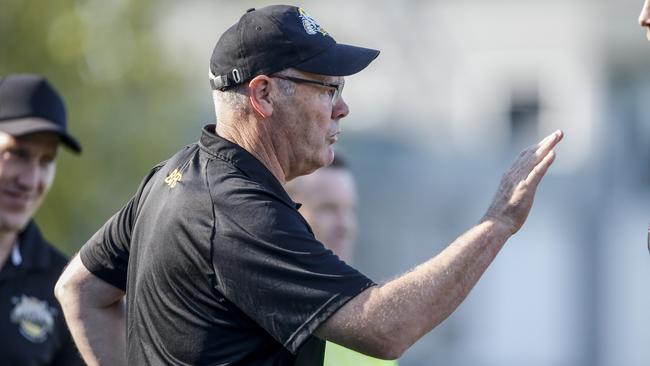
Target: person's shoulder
{"x":173,"y":161}
{"x":52,"y":257}
{"x":40,"y":248}
{"x":58,"y":259}
{"x":180,"y":155}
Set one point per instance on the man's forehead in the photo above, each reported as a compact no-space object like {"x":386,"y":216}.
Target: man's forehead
{"x":39,"y":139}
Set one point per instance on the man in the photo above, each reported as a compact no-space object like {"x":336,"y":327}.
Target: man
{"x":644,"y":18}
{"x":218,"y":265}
{"x":32,"y":125}
{"x":328,"y":199}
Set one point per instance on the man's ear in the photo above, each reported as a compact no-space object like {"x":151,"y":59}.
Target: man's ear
{"x":260,"y":90}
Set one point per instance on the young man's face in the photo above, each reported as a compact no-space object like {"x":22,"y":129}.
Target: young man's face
{"x":26,"y":173}
{"x":329,"y":204}
{"x":644,"y":18}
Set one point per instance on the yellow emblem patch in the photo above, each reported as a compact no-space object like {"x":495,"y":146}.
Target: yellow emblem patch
{"x":35,"y":318}
{"x":173,"y":178}
{"x":310,"y":24}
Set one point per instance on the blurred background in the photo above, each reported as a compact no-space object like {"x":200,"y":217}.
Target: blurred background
{"x":459,"y":89}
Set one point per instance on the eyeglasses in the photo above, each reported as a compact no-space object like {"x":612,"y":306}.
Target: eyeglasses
{"x":337,"y":89}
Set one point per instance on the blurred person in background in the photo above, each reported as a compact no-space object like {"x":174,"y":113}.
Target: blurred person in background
{"x":328,"y":199}
{"x":32,"y":126}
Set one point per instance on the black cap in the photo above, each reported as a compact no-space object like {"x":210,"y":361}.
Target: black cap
{"x":29,"y":104}
{"x":278,"y":37}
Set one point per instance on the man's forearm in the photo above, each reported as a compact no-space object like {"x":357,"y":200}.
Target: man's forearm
{"x":384,"y":321}
{"x":398,"y":313}
{"x":95,"y":313}
{"x":100,"y":333}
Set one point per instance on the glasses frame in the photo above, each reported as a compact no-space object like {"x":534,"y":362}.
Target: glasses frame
{"x":338,"y":87}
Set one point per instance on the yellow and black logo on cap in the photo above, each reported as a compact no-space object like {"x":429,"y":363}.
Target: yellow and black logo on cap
{"x":310,"y":24}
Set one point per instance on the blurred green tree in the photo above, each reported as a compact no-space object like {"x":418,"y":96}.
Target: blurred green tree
{"x":124,"y":104}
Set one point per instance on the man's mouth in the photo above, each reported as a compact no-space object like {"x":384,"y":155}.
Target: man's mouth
{"x":15,"y":200}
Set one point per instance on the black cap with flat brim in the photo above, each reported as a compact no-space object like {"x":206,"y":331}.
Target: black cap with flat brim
{"x":339,"y":60}
{"x":29,"y":104}
{"x":27,"y":126}
{"x":278,"y":37}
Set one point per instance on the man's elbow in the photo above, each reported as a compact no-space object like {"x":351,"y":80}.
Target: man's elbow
{"x":64,"y":288}
{"x":68,"y":287}
{"x":388,"y":345}
{"x":390,"y":352}
{"x":78,"y":289}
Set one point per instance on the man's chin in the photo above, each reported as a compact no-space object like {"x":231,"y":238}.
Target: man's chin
{"x":13,"y":224}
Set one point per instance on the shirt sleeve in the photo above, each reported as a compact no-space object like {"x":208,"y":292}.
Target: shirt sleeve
{"x":268,"y":263}
{"x":106,"y":254}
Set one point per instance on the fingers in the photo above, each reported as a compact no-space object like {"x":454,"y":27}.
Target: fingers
{"x":540,"y":169}
{"x":533,"y":155}
{"x":547,"y":144}
{"x":516,"y":192}
{"x":544,"y":156}
{"x":554,"y":135}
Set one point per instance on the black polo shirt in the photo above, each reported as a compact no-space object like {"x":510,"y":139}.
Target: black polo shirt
{"x":32,"y":328}
{"x":218,"y":266}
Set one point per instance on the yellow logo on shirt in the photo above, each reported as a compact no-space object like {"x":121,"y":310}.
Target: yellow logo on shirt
{"x":35,"y":318}
{"x":173,"y":178}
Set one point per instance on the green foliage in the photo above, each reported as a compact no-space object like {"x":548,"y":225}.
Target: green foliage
{"x":123,"y":102}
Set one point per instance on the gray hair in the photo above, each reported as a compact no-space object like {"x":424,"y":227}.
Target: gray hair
{"x":236,"y":98}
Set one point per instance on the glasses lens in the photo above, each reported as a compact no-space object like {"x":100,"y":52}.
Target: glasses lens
{"x":338,"y":88}
{"x":337,"y":93}
{"x":335,"y":96}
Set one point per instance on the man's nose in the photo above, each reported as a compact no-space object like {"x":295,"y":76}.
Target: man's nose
{"x":340,"y":109}
{"x":29,"y":176}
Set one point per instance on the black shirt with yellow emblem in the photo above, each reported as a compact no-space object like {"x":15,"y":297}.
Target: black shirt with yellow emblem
{"x":218,"y":266}
{"x":32,"y":328}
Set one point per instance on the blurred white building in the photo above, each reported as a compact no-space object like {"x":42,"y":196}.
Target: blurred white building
{"x":460,"y":87}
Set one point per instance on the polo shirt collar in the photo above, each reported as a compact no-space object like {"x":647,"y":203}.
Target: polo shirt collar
{"x":16,"y":257}
{"x":243,"y":160}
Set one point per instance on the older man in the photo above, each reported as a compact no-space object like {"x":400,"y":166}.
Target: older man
{"x":217,"y":264}
{"x":32,"y":126}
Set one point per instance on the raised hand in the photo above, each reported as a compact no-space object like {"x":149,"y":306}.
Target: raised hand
{"x":516,"y":192}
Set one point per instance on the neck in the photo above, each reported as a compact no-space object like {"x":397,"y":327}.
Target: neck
{"x":256,"y":141}
{"x":7,"y":240}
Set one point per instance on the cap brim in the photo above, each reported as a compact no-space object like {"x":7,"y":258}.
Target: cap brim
{"x":339,"y":60}
{"x":26,"y":126}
